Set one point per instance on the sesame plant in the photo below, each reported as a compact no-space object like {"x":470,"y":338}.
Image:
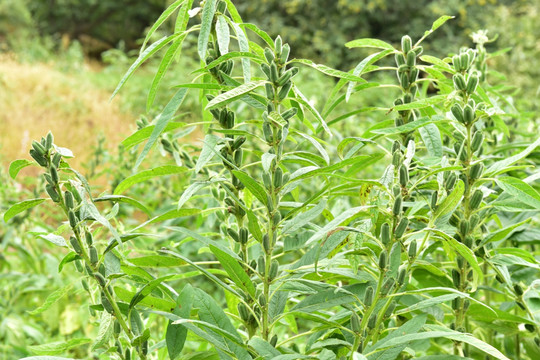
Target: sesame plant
{"x":289,"y":232}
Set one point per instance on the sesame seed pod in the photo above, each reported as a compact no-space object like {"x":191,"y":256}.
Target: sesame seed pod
{"x":396,"y":209}
{"x":75,"y":244}
{"x":459,"y":82}
{"x":274,"y":77}
{"x":52,"y":193}
{"x":100,"y":279}
{"x":54,"y":175}
{"x":274,"y":267}
{"x":476,"y":171}
{"x":266,"y":243}
{"x":400,"y":59}
{"x":382,"y":260}
{"x":233,"y":234}
{"x":269,"y":55}
{"x":385,"y":234}
{"x":411,"y":58}
{"x":372,"y":321}
{"x":472,"y":83}
{"x":355,"y":323}
{"x":403,"y":175}
{"x":72,"y":219}
{"x":285,"y":51}
{"x":388,"y":285}
{"x":477,"y":140}
{"x":284,"y":92}
{"x":243,"y":235}
{"x":457,"y":111}
{"x":406,"y":44}
{"x":401,"y":276}
{"x":278,"y":178}
{"x":468,"y":114}
{"x":261,"y":265}
{"x":402,"y":226}
{"x":286,"y":115}
{"x":368,"y":298}
{"x":93,"y":255}
{"x":412,"y":249}
{"x":456,"y":278}
{"x":476,"y":199}
{"x":434,"y":197}
{"x":518,"y":289}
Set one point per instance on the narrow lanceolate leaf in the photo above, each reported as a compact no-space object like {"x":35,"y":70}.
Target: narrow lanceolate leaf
{"x":451,"y":201}
{"x":332,"y":225}
{"x":46,"y":358}
{"x":143,"y":134}
{"x":243,"y":44}
{"x":20,"y":207}
{"x":207,"y":152}
{"x":253,"y":186}
{"x":124,"y":199}
{"x":106,"y":326}
{"x":177,"y":333}
{"x":329,"y":71}
{"x":359,"y":69}
{"x":500,"y":166}
{"x":55,"y":239}
{"x":503,"y":233}
{"x":223,"y":34}
{"x":520,"y":190}
{"x":235,"y":270}
{"x":408,"y":127}
{"x":428,"y":303}
{"x":17,"y":166}
{"x":206,"y":27}
{"x":151,"y":50}
{"x":432,"y":139}
{"x":164,"y":16}
{"x":234,"y":94}
{"x":163,"y":120}
{"x":305,"y":103}
{"x":422,"y":103}
{"x":148,"y":174}
{"x":369,"y":43}
{"x":436,"y":24}
{"x":58,"y":347}
{"x":149,"y":301}
{"x":190,"y":191}
{"x":172,"y":52}
{"x":302,"y":219}
{"x":224,"y":58}
{"x":51,"y":300}
{"x":91,"y":209}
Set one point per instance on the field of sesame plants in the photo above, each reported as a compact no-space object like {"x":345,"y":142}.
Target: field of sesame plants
{"x":291,"y":211}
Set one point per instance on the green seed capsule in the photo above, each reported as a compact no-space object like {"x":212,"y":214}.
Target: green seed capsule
{"x":278,"y":178}
{"x":100,"y":279}
{"x":266,"y":243}
{"x":355,"y":323}
{"x":72,"y":219}
{"x":70,"y":201}
{"x":278,"y":43}
{"x":117,"y":327}
{"x":274,"y":339}
{"x":85,"y":285}
{"x":413,"y":76}
{"x":411,"y":58}
{"x":476,"y":171}
{"x":388,"y":285}
{"x":40,"y":159}
{"x":406,"y":44}
{"x":401,"y":276}
{"x":52,"y":193}
{"x":403,"y":175}
{"x":472,"y":83}
{"x":476,"y":199}
{"x":243,"y":235}
{"x":530,"y":328}
{"x":267,"y":131}
{"x":238,"y":157}
{"x":262,"y":300}
{"x":457,"y":111}
{"x":276,"y":218}
{"x":450,"y":181}
{"x":473,"y":221}
{"x":518,"y":289}
{"x":283,"y":79}
{"x":221,"y":7}
{"x":127,"y":355}
{"x":396,"y":159}
{"x":243,"y":311}
{"x":233,"y":234}
{"x":269,"y":55}
{"x":372,"y":322}
{"x":106,"y":304}
{"x":75,"y":244}
{"x":477,"y":140}
{"x":459,"y":82}
{"x":468,"y":114}
{"x":284,"y":91}
{"x":54,"y":174}
{"x":396,"y":209}
{"x":434,"y":197}
{"x":390,"y":310}
{"x":400,"y":59}
{"x":286,"y":115}
{"x":412,"y":249}
{"x":239,"y":141}
{"x":93,"y":255}
{"x":396,"y":190}
{"x":456,"y":278}
{"x":382,"y":260}
{"x":269,"y":203}
{"x":456,"y":303}
{"x":464,"y":227}
{"x":274,"y":77}
{"x":267,"y":180}
{"x":274,"y":267}
{"x":385,"y":234}
{"x":368,"y":298}
{"x":261,"y":265}
{"x":40,"y":149}
{"x":49,"y":141}
{"x":402,"y":226}
{"x":285,"y":51}
{"x":404,"y":80}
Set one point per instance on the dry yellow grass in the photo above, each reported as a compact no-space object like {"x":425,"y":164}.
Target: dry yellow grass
{"x":36,"y":98}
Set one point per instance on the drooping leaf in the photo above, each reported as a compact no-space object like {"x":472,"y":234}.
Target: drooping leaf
{"x":58,"y":347}
{"x":234,"y":94}
{"x":177,"y":333}
{"x":20,"y":207}
{"x":51,"y":300}
{"x":17,"y":166}
{"x":208,"y":12}
{"x":235,"y":270}
{"x":223,"y":34}
{"x":450,"y":202}
{"x":520,"y":190}
{"x":369,"y":43}
{"x":148,"y":174}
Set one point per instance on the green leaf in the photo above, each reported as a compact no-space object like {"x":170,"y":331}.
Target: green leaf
{"x":344,"y":217}
{"x":208,"y":151}
{"x":206,"y":27}
{"x":235,"y":270}
{"x":422,"y":103}
{"x":450,"y":202}
{"x":156,"y":261}
{"x":223,"y":34}
{"x":170,"y":109}
{"x":51,"y":300}
{"x":141,"y":135}
{"x":369,"y":43}
{"x":236,"y":93}
{"x":46,"y":358}
{"x":301,"y":99}
{"x":520,"y":190}
{"x":105,"y":331}
{"x":263,"y":348}
{"x":448,"y":334}
{"x":408,"y":127}
{"x":360,"y":68}
{"x":438,"y":62}
{"x":17,"y":166}
{"x":432,"y":139}
{"x":55,"y":239}
{"x":173,"y":51}
{"x":124,"y":199}
{"x":500,"y":166}
{"x":71,"y":256}
{"x":243,"y":44}
{"x":253,"y":186}
{"x":503,"y":233}
{"x":164,"y":16}
{"x":58,"y":347}
{"x":428,"y":303}
{"x":151,"y":50}
{"x":329,"y":298}
{"x":20,"y":207}
{"x":329,"y":71}
{"x":149,"y":301}
{"x":148,"y":174}
{"x":224,"y":58}
{"x":299,"y":221}
{"x":438,"y":23}
{"x":177,"y":333}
